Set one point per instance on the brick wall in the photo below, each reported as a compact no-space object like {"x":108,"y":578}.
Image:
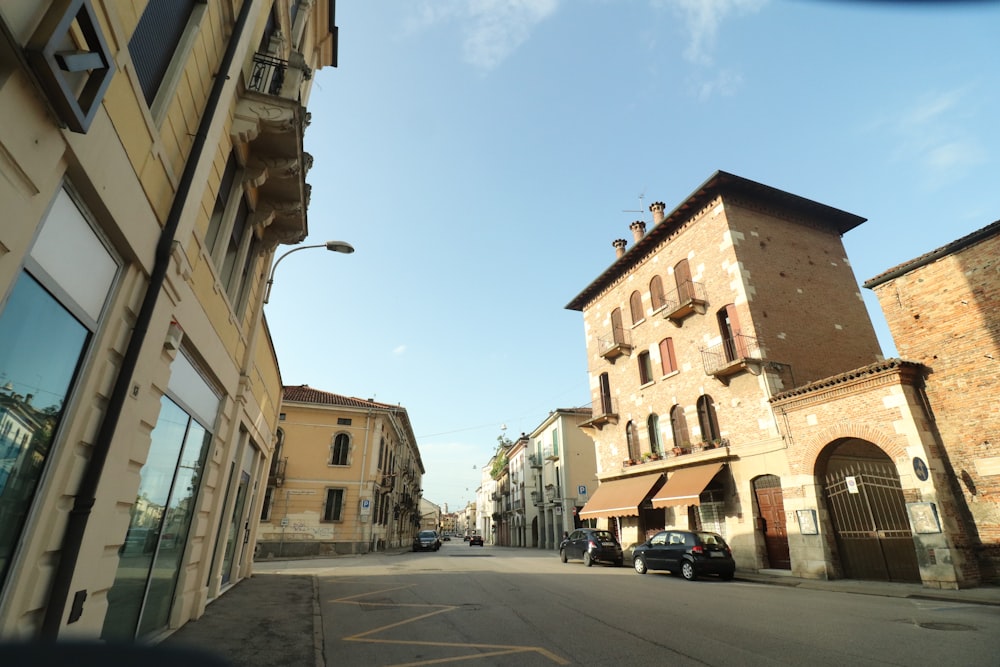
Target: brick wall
{"x":946,"y":315}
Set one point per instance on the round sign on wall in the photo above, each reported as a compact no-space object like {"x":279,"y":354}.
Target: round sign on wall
{"x":920,"y":468}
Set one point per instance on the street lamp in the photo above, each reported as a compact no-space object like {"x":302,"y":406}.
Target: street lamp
{"x":335,"y":246}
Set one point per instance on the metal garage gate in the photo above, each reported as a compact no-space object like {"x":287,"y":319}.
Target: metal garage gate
{"x":870,"y":522}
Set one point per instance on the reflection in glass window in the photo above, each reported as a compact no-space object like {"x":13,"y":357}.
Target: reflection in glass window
{"x":40,"y":348}
{"x":154,"y":544}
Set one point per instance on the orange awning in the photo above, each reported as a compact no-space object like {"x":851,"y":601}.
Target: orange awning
{"x":684,"y":486}
{"x":620,"y":497}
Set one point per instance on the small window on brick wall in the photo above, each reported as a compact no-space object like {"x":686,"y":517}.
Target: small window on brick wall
{"x":645,"y":368}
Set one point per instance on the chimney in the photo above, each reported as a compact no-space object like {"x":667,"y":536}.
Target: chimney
{"x":619,"y":245}
{"x":658,"y":208}
{"x":638,"y":229}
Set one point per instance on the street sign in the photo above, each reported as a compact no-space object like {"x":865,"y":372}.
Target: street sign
{"x":366,"y":506}
{"x":582,"y":490}
{"x":852,"y":484}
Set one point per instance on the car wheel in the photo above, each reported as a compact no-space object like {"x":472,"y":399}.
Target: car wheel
{"x":587,"y":560}
{"x":562,"y":555}
{"x":687,"y":570}
{"x":640,"y":565}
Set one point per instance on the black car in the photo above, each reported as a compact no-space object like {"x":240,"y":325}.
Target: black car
{"x":593,"y":546}
{"x":476,"y":539}
{"x":426,"y":540}
{"x":692,"y":553}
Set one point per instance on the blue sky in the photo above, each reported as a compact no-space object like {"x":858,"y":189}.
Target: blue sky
{"x":482,"y":155}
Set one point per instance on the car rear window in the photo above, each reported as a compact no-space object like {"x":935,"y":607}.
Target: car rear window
{"x":711,"y":538}
{"x":604,"y":535}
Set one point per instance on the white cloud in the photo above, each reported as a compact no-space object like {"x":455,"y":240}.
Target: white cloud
{"x":934,"y":134}
{"x":725,"y":83}
{"x":399,"y":350}
{"x":702,"y":19}
{"x":491,"y":29}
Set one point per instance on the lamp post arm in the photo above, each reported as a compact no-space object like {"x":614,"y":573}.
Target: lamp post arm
{"x":270,"y":278}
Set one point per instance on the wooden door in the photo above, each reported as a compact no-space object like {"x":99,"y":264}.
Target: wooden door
{"x":771,"y":505}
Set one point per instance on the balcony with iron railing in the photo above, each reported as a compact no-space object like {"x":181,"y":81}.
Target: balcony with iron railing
{"x":731,"y":356}
{"x":267,"y":132}
{"x":276,"y":475}
{"x":689,"y":297}
{"x":535,"y":460}
{"x":618,"y":344}
{"x":604,"y":411}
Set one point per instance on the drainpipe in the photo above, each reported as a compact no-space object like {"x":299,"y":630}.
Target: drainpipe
{"x":86,"y":494}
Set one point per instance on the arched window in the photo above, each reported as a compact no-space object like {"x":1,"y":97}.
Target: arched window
{"x":645,"y":367}
{"x":633,"y":441}
{"x":679,"y":428}
{"x":635,"y":305}
{"x":617,"y":330}
{"x":606,"y":407}
{"x":729,"y":328}
{"x":656,"y":295}
{"x":653,"y":425}
{"x":682,"y":278}
{"x":707,"y":419}
{"x":340,"y":450}
{"x":667,"y":359}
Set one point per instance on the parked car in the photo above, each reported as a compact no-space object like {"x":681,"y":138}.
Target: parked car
{"x":593,"y":546}
{"x":476,"y":539}
{"x":426,"y":540}
{"x":446,"y":538}
{"x":692,"y":553}
{"x":466,"y":538}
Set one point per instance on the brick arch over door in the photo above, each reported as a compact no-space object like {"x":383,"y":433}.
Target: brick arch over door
{"x":813,"y":447}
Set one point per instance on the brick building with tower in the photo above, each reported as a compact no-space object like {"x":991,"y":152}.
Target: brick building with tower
{"x":738,"y":386}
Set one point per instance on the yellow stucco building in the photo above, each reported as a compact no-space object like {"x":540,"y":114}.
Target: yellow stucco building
{"x":151,"y":162}
{"x":346,"y":477}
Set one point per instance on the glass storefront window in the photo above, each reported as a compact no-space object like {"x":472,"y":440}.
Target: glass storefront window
{"x":150,"y":558}
{"x":41,"y":345}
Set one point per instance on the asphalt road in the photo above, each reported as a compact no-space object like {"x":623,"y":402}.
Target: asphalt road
{"x":501,"y":606}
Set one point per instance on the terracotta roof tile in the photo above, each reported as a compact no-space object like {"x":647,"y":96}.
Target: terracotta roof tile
{"x":305,"y":394}
{"x":928,"y":257}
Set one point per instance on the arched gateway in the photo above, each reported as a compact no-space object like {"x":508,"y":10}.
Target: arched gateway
{"x":867,"y":510}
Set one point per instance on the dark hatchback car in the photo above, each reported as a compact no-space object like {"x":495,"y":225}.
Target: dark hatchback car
{"x":692,"y":553}
{"x":426,"y":540}
{"x":476,"y":539}
{"x":593,"y":546}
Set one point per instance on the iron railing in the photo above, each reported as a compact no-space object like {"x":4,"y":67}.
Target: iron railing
{"x":689,"y":297}
{"x":268,"y":74}
{"x":618,"y":343}
{"x":730,"y":352}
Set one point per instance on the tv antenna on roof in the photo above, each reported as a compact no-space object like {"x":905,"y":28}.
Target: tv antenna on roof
{"x":641,"y":209}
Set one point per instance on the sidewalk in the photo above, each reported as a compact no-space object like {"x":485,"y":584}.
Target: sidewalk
{"x":268,"y":620}
{"x":987,"y":594}
{"x":273,"y":620}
